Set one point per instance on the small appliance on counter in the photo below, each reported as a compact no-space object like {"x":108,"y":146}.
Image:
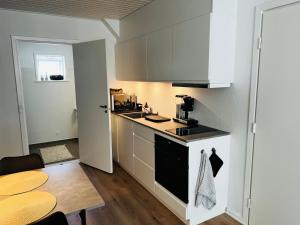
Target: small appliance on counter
{"x":122,"y":102}
{"x":184,"y":105}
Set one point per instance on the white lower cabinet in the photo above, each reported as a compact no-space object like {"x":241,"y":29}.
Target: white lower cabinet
{"x":114,"y":134}
{"x":143,"y":132}
{"x":173,"y":203}
{"x":144,"y":150}
{"x":125,"y":144}
{"x":144,"y":173}
{"x":190,"y":213}
{"x":136,"y":153}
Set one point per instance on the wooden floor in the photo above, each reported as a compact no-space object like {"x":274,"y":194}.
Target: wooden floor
{"x":128,"y":203}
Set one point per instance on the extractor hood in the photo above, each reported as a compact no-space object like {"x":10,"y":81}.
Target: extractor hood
{"x":201,"y":85}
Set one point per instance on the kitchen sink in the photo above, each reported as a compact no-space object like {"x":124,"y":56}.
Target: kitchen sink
{"x":135,"y":115}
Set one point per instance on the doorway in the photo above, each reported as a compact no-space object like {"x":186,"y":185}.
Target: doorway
{"x":91,"y":108}
{"x":274,"y":112}
{"x":47,"y":76}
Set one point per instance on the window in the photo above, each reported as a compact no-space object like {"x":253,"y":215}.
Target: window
{"x":50,"y":67}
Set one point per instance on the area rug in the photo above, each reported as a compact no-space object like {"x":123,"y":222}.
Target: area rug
{"x":56,"y":153}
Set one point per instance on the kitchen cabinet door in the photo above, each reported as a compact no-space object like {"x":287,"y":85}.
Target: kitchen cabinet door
{"x":159,"y":55}
{"x":131,"y":60}
{"x":137,"y":59}
{"x":191,"y":50}
{"x":122,"y":60}
{"x":144,"y":150}
{"x":125,"y":144}
{"x":114,"y":134}
{"x":144,"y":174}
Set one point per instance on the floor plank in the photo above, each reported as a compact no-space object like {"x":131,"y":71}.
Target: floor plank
{"x":128,"y":203}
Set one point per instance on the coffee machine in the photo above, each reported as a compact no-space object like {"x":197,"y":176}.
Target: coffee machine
{"x":184,"y":105}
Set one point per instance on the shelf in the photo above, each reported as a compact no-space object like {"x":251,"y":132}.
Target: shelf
{"x":51,"y":81}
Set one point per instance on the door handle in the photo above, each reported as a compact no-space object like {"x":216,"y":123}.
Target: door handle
{"x":104,"y":107}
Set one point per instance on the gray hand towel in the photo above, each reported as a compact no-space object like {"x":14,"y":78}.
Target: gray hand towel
{"x":205,"y":187}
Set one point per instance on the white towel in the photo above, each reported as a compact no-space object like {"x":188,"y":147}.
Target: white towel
{"x":205,"y":187}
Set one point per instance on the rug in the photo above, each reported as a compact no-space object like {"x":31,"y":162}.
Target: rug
{"x":56,"y":153}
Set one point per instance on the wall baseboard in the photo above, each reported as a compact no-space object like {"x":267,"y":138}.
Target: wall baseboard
{"x":235,"y":216}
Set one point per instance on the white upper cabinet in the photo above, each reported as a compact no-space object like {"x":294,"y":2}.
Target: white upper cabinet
{"x":191,"y":50}
{"x":122,"y":62}
{"x":137,"y":59}
{"x":131,"y":60}
{"x":159,"y":55}
{"x":179,"y":41}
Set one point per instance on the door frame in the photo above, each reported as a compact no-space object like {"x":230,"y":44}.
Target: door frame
{"x":258,"y":26}
{"x":19,"y":84}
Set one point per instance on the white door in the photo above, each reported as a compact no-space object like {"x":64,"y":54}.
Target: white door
{"x":92,"y":102}
{"x":276,"y":158}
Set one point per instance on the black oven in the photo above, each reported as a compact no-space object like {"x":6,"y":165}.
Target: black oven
{"x":171,"y":167}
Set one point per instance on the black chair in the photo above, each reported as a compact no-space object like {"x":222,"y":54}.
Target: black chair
{"x":57,"y":218}
{"x":10,"y":165}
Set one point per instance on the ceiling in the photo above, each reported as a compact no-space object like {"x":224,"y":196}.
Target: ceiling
{"x":91,"y":9}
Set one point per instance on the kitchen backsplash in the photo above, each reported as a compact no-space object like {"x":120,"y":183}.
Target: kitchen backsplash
{"x":210,"y":104}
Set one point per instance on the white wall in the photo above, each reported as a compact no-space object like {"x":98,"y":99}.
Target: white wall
{"x":49,"y":106}
{"x":33,"y":25}
{"x":221,"y":108}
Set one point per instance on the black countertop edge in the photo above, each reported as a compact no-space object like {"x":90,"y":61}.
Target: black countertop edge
{"x":186,"y":139}
{"x":201,"y":136}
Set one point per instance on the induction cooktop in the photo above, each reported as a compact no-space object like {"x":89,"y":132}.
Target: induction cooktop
{"x":184,"y":131}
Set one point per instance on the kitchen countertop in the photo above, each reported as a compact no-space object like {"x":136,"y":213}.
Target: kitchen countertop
{"x":163,"y":126}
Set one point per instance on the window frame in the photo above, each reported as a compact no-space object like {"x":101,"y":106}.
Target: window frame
{"x":39,"y":56}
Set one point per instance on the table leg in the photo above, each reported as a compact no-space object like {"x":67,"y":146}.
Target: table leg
{"x":82,"y":215}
